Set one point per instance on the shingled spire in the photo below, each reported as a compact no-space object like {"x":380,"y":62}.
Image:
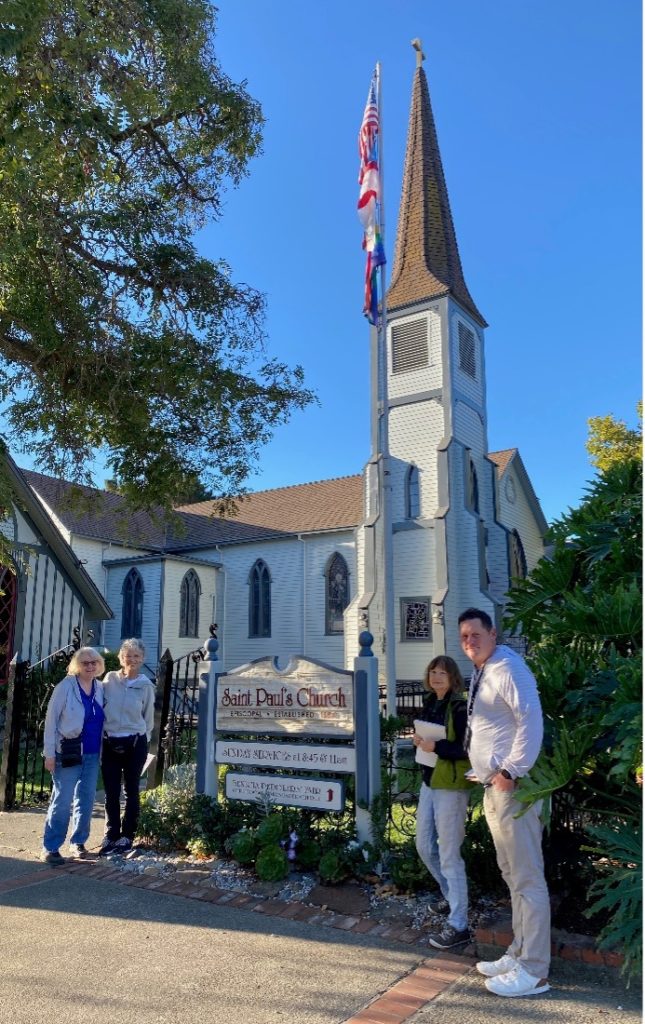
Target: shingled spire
{"x":426,"y":259}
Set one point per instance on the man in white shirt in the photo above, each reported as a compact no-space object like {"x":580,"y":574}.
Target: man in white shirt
{"x":503,"y":739}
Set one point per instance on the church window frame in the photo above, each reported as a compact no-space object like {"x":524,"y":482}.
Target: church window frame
{"x":517,"y":564}
{"x":132,"y":592}
{"x":259,"y":600}
{"x":412,"y":492}
{"x":416,"y":619}
{"x":472,"y":486}
{"x":190,"y":593}
{"x":337,"y":594}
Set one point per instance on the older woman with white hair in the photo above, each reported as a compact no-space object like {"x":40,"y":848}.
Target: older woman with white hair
{"x":129,"y":717}
{"x":72,"y":742}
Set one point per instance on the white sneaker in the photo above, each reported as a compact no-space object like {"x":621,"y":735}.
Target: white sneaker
{"x":517,"y":982}
{"x":491,"y":968}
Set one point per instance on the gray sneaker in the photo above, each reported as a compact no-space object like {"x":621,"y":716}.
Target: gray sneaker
{"x":52,"y":857}
{"x":447,"y":937}
{"x":78,"y":851}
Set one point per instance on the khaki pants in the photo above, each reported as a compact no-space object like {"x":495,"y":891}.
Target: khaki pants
{"x":518,"y":844}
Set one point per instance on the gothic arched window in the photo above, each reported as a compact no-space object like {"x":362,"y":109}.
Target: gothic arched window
{"x":472,"y":494}
{"x":189,"y":604}
{"x":132,"y":605}
{"x":412,"y":500}
{"x":517,"y":558}
{"x":336,"y":594}
{"x":259,"y":600}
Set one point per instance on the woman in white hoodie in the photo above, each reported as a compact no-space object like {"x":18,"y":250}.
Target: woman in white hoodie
{"x":129,"y":717}
{"x":72,"y":742}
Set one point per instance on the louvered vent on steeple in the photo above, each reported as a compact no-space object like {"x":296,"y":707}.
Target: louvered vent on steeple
{"x":467,"y":350}
{"x":409,"y":345}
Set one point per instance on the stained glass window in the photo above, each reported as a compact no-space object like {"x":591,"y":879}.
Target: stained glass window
{"x":412,"y":503}
{"x":336,"y":594}
{"x":415,"y":618}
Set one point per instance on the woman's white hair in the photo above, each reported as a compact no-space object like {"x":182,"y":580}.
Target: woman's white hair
{"x":132,"y":645}
{"x":77,"y":657}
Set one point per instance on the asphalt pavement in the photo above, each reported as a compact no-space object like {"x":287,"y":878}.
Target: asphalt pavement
{"x":75,"y":949}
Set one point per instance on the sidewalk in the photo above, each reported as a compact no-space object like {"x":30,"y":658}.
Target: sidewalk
{"x":82,"y":948}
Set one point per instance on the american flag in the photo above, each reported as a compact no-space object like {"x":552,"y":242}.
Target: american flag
{"x":369,"y":199}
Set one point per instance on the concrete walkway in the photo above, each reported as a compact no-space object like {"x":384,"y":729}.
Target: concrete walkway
{"x":78,"y":949}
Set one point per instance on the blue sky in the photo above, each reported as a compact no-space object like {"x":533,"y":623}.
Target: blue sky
{"x":537,"y":107}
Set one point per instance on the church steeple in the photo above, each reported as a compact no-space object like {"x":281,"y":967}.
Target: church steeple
{"x":426,"y":259}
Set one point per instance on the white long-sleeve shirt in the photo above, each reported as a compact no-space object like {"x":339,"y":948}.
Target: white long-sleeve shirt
{"x":506,"y":722}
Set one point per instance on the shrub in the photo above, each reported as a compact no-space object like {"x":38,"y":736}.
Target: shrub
{"x":271,"y":864}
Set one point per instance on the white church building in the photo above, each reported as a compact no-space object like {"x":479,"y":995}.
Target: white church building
{"x":298,"y":569}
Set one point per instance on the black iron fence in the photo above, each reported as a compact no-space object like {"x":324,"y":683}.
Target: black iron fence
{"x":23,"y":778}
{"x":176,"y":713}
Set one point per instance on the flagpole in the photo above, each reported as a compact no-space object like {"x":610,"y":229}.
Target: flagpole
{"x":384,"y":476}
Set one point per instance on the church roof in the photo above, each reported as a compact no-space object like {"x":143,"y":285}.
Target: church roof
{"x":303,"y":508}
{"x":426,"y":259}
{"x":502,"y":459}
{"x":104,"y":515}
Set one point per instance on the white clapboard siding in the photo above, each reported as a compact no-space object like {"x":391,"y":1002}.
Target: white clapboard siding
{"x":150,"y":573}
{"x":473,"y":388}
{"x":518,"y":515}
{"x":175,"y":570}
{"x":414,"y":560}
{"x":415,"y":431}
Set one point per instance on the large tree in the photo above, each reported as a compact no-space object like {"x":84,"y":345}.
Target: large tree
{"x":119,"y":133}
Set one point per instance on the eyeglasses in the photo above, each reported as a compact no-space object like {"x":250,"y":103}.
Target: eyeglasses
{"x":88,"y":664}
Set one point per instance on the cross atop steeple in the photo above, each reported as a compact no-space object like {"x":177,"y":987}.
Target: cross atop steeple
{"x":426,"y":259}
{"x":417,"y":45}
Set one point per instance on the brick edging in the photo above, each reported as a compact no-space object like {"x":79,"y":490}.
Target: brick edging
{"x":564,"y":945}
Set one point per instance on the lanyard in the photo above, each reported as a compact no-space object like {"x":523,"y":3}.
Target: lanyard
{"x":474,"y":687}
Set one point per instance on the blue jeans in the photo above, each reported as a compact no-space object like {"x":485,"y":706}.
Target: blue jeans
{"x":441,"y":826}
{"x":71,"y":786}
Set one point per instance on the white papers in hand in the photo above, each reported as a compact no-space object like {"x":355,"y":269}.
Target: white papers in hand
{"x":428,"y":731}
{"x":148,"y":761}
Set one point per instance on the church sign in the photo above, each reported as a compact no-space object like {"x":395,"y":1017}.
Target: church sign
{"x":298,"y":756}
{"x":305,"y":698}
{"x":287,"y":790}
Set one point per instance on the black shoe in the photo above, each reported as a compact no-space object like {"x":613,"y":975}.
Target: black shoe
{"x":53,"y":858}
{"x":122,"y":845}
{"x":447,"y":937}
{"x":78,"y":851}
{"x":106,"y":847}
{"x":439,"y":905}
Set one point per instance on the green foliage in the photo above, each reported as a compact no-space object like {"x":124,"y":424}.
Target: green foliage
{"x":119,"y":136}
{"x":244,"y":846}
{"x":582,"y":613}
{"x":619,"y":889}
{"x":406,"y":870}
{"x":334,"y":867}
{"x":271,"y":864}
{"x":174,"y":817}
{"x":272,"y":829}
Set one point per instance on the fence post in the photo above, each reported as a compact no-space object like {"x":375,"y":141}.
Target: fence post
{"x":368,"y":739}
{"x":11,"y":746}
{"x":206,"y":781}
{"x":162,"y":706}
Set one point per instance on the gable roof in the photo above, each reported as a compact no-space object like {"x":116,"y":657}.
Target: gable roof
{"x":104,"y":515}
{"x":511,"y":456}
{"x":97,"y":607}
{"x":427,"y":264}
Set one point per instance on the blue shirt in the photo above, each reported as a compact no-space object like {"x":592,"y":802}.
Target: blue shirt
{"x":93,"y":724}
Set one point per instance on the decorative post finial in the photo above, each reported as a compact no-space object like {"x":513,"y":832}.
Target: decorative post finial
{"x":416,"y":43}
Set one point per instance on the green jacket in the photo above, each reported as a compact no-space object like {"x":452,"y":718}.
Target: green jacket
{"x":450,"y":774}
